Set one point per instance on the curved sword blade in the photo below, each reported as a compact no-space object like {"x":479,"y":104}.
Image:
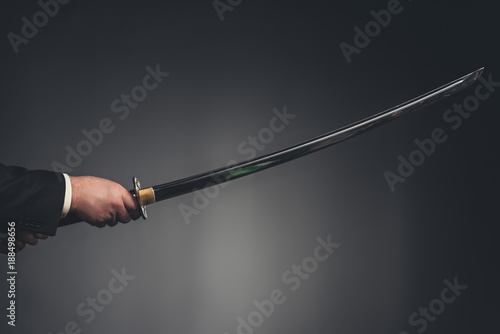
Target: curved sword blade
{"x":204,"y":180}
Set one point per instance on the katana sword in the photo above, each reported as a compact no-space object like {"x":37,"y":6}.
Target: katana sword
{"x":147,"y":196}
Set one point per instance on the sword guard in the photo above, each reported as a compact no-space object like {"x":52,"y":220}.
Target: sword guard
{"x":137,"y":187}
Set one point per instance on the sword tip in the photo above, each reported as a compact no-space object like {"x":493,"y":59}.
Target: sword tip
{"x":471,"y":78}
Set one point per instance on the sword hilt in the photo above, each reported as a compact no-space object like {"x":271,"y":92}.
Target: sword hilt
{"x":142,"y":196}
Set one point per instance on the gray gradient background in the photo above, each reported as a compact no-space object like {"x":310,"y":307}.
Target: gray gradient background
{"x":226,"y":77}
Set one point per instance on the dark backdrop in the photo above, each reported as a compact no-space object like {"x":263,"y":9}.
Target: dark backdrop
{"x":226,"y":77}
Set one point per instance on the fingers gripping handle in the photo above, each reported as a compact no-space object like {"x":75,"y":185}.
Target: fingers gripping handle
{"x":142,"y":196}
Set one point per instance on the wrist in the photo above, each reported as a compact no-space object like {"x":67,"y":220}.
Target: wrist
{"x":75,"y":193}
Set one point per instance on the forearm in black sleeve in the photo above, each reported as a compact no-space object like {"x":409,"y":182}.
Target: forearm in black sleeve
{"x":33,"y":199}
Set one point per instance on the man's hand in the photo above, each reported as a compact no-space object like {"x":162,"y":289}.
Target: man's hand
{"x":101,"y":202}
{"x":22,"y":239}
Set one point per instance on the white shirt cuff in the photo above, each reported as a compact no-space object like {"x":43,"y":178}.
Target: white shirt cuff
{"x":67,"y":197}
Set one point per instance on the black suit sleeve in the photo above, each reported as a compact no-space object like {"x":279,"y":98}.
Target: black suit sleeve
{"x":33,"y":199}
